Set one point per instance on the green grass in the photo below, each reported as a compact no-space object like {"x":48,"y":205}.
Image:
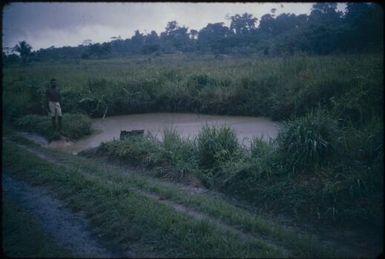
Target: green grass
{"x":309,"y":141}
{"x":322,"y":181}
{"x":23,"y":236}
{"x":274,"y":87}
{"x":216,"y":145}
{"x":326,"y":165}
{"x":75,"y":126}
{"x":123,"y":216}
{"x":213,"y":205}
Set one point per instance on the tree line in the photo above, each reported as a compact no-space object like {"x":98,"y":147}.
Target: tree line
{"x":324,"y":31}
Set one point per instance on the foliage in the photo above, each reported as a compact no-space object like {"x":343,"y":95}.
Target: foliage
{"x":134,"y":149}
{"x":216,"y":145}
{"x":180,"y":153}
{"x":324,"y":31}
{"x":336,"y":177}
{"x":340,"y":182}
{"x":75,"y":126}
{"x":24,"y":50}
{"x":308,"y":141}
{"x":273,"y":87}
{"x":173,"y":157}
{"x":123,"y":210}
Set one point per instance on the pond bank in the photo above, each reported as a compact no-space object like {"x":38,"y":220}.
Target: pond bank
{"x":186,"y":125}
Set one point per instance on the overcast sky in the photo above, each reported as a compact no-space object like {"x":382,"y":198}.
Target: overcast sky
{"x":68,"y":24}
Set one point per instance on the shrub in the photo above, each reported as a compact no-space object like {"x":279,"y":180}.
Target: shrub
{"x":260,"y":148}
{"x":180,"y":153}
{"x":134,"y":149}
{"x":216,"y":145}
{"x":199,"y":81}
{"x":75,"y":126}
{"x":173,"y":157}
{"x":308,"y":141}
{"x":34,"y":123}
{"x":250,"y":178}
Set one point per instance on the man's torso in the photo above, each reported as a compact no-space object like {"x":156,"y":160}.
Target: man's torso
{"x":53,"y":95}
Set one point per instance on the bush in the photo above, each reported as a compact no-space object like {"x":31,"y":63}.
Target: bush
{"x":35,"y":123}
{"x":134,"y":149}
{"x":308,"y":141}
{"x":180,"y":153}
{"x":260,"y":149}
{"x":75,"y":126}
{"x":251,"y":177}
{"x":199,"y":81}
{"x":216,"y":145}
{"x":174,"y":157}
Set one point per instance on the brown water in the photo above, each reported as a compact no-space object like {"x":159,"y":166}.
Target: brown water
{"x":187,"y":125}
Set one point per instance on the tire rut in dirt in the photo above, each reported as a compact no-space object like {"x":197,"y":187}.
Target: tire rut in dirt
{"x":197,"y":215}
{"x":70,"y":230}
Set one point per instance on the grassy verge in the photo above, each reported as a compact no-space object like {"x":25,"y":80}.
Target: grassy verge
{"x":23,"y":237}
{"x":216,"y":205}
{"x":75,"y":126}
{"x":213,"y":205}
{"x":124,"y":217}
{"x":309,"y":171}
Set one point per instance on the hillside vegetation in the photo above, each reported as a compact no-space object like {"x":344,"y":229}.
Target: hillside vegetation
{"x":327,"y":160}
{"x":349,"y":86}
{"x":325,"y":30}
{"x":320,"y":75}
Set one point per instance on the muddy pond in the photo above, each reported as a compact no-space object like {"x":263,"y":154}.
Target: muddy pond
{"x":187,"y":125}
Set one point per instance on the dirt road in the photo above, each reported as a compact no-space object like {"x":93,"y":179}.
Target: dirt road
{"x":69,"y":229}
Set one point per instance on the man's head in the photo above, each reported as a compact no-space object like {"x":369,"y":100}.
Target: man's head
{"x":53,"y":83}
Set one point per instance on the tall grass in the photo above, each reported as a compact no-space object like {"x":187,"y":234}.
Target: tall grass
{"x":309,"y":141}
{"x":326,"y":162}
{"x":134,"y":149}
{"x":75,"y":126}
{"x":179,"y":153}
{"x":307,"y":171}
{"x":274,"y":87}
{"x":216,"y":145}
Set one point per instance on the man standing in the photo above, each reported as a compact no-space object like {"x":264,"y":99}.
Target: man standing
{"x":54,"y":101}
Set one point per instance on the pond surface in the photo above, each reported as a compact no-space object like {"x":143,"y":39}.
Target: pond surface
{"x":187,"y":125}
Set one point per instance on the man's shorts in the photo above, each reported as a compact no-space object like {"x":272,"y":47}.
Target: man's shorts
{"x":54,"y":109}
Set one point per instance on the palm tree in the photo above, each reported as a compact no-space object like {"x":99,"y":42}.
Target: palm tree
{"x":24,"y":49}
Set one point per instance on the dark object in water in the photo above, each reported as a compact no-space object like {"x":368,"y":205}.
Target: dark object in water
{"x":124,"y":133}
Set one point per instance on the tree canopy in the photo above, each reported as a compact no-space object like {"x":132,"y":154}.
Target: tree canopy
{"x":24,"y":50}
{"x":325,"y":30}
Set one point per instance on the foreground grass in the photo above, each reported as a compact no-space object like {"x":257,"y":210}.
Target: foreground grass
{"x":23,"y":237}
{"x":308,"y":172}
{"x":329,"y":164}
{"x":211,"y":204}
{"x":126,"y":217}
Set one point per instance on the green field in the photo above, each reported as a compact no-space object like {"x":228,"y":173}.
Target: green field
{"x":350,"y":86}
{"x":325,"y":167}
